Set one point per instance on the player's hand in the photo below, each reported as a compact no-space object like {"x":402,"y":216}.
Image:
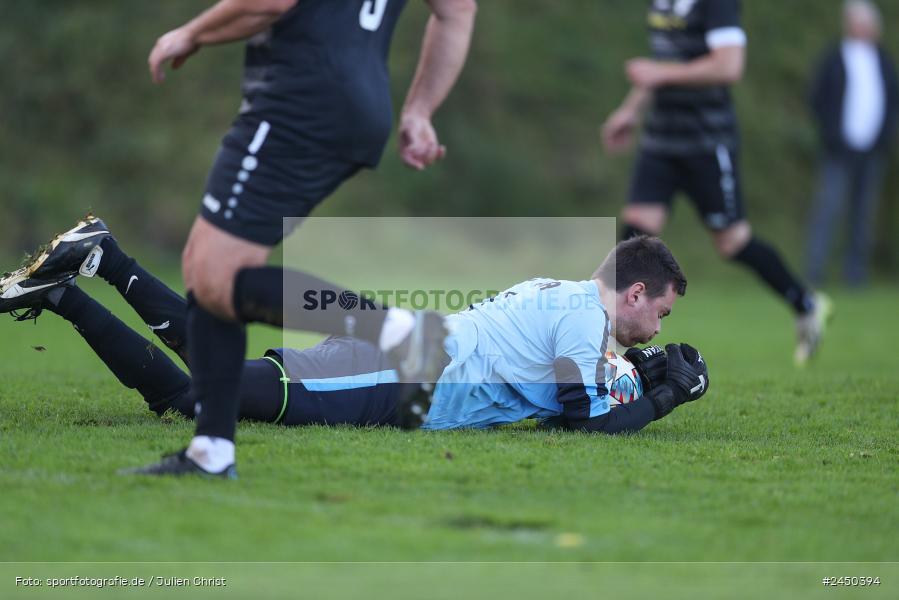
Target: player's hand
{"x":175,"y":46}
{"x":688,"y":375}
{"x":618,"y":132}
{"x":645,"y":73}
{"x":651,"y":364}
{"x":419,"y":147}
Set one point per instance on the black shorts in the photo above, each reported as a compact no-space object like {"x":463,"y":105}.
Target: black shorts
{"x":711,"y":181}
{"x":254,"y":184}
{"x":342,"y":380}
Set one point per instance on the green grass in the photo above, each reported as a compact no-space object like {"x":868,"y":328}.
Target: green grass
{"x":772,"y":465}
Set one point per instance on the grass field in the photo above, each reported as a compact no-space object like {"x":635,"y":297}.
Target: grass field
{"x":773,"y":465}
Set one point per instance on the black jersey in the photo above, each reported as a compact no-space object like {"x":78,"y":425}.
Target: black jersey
{"x":692,"y":120}
{"x":319,"y":75}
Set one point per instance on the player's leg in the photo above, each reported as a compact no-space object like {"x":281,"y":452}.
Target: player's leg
{"x":653,"y":184}
{"x":261,"y":189}
{"x":215,"y":366}
{"x":89,"y":249}
{"x":249,"y":192}
{"x":342,"y":380}
{"x":714,"y":186}
{"x":833,"y":181}
{"x":216,"y":344}
{"x":263,"y":391}
{"x":135,"y":362}
{"x":738,"y":243}
{"x":163,"y":310}
{"x":865,"y":193}
{"x":258,"y":291}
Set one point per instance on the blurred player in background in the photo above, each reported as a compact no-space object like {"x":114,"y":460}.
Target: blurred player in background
{"x":536,"y":350}
{"x":316,"y":109}
{"x":855,"y":101}
{"x":690,"y":143}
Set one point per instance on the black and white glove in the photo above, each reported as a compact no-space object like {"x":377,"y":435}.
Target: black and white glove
{"x":687,"y":372}
{"x":651,"y":365}
{"x":686,"y":379}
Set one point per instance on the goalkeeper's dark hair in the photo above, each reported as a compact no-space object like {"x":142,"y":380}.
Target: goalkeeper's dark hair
{"x":645,"y":259}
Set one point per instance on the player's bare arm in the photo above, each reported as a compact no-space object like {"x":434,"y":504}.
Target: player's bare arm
{"x":443,"y":52}
{"x":226,"y":21}
{"x":721,"y":66}
{"x":619,"y":130}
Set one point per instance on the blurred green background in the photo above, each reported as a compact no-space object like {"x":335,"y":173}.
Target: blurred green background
{"x":84,"y":128}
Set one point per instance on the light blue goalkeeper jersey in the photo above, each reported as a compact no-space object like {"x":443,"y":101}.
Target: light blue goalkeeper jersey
{"x":503,"y":351}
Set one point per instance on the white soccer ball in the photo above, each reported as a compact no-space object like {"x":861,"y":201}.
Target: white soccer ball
{"x":622,"y":379}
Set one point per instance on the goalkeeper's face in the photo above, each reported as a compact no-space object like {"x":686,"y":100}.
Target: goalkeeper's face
{"x":639,"y":316}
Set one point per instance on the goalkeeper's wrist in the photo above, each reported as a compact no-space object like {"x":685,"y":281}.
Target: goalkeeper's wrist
{"x":665,"y":398}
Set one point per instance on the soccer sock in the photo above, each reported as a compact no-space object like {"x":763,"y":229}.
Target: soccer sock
{"x":629,"y":231}
{"x":767,"y":263}
{"x":164,"y":311}
{"x":319,"y":306}
{"x":211,"y":453}
{"x":135,"y":361}
{"x":397,"y":325}
{"x":216,"y":350}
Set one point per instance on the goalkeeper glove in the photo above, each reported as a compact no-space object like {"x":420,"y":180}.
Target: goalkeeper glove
{"x":686,"y":379}
{"x":651,"y":365}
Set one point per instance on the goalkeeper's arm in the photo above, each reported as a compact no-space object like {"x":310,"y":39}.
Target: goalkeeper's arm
{"x":630,"y":417}
{"x":576,"y":404}
{"x":625,"y":418}
{"x":687,"y":380}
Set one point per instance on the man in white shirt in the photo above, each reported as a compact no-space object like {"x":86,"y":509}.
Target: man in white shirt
{"x":855,"y":98}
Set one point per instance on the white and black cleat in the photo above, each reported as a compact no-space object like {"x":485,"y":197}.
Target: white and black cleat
{"x":179,"y":464}
{"x":23,"y":296}
{"x":413,"y":405}
{"x":76,"y":251}
{"x":810,"y":328}
{"x":420,"y":358}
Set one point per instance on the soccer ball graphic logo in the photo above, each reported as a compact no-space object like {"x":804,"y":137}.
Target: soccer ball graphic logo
{"x":622,"y":379}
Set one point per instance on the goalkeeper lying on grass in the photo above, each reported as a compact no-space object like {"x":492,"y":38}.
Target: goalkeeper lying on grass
{"x":536,"y":350}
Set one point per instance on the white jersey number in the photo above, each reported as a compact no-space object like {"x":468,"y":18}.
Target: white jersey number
{"x":371,"y":14}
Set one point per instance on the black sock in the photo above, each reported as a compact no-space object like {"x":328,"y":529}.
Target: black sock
{"x":767,"y":263}
{"x":629,"y":231}
{"x":135,"y":361}
{"x":216,"y":350}
{"x":164,"y":311}
{"x":318,"y":306}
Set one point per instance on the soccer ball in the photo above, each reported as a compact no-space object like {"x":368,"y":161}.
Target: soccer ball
{"x":622,"y":379}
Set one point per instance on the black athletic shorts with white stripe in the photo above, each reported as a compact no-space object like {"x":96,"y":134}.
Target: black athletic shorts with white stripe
{"x":711,"y":181}
{"x":262,"y":175}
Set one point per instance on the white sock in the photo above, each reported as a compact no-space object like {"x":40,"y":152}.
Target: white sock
{"x":212,"y":453}
{"x":397,"y":325}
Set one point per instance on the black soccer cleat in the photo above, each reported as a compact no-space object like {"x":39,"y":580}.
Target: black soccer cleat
{"x":179,"y":464}
{"x":76,"y":251}
{"x":23,"y":296}
{"x":413,"y":405}
{"x":420,"y":358}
